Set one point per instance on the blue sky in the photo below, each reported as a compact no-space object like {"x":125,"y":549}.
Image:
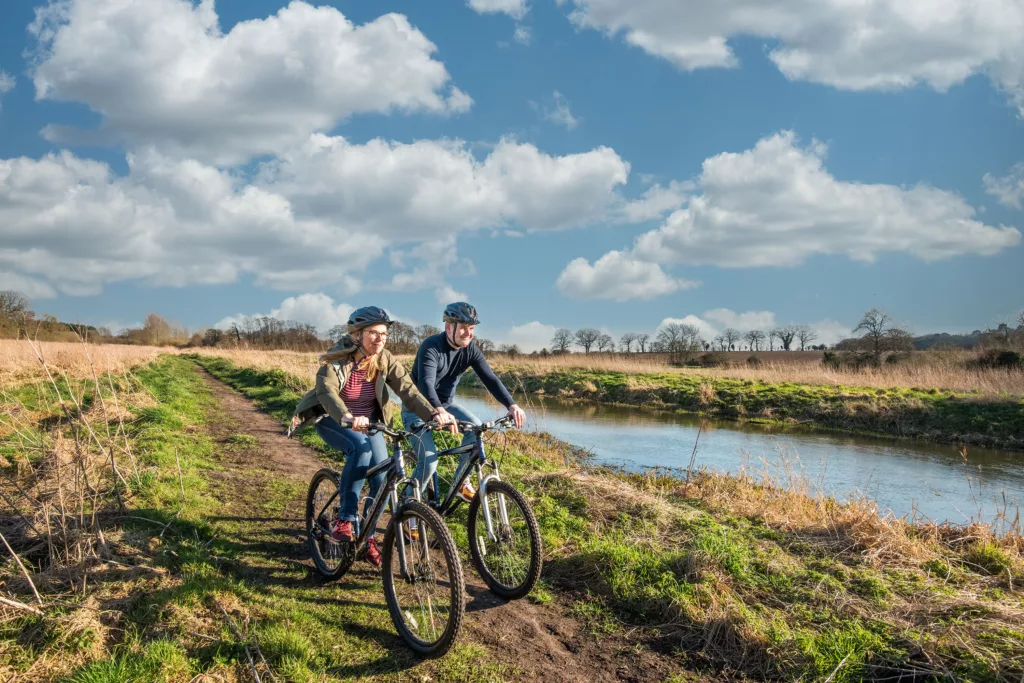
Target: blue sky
{"x":606,"y":163}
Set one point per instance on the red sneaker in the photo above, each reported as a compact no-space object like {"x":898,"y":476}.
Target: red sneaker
{"x":341,"y":531}
{"x":373,"y":552}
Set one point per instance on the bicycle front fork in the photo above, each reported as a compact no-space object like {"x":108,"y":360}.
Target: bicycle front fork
{"x":502,"y":510}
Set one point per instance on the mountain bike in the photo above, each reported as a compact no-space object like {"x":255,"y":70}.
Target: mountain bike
{"x":422,"y":573}
{"x":504,"y":538}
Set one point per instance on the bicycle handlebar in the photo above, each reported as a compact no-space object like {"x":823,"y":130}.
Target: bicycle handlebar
{"x":464,"y":427}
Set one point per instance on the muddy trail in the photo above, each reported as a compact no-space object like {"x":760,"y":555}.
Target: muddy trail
{"x":527,"y":641}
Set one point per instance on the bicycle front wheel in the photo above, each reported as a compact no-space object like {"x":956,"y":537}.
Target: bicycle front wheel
{"x":424,"y":596}
{"x":323,"y":500}
{"x":510,"y":562}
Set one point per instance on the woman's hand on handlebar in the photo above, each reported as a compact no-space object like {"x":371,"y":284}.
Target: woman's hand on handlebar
{"x":446,"y":421}
{"x":360,"y":424}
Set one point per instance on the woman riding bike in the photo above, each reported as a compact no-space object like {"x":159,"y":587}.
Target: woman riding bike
{"x":352,"y":388}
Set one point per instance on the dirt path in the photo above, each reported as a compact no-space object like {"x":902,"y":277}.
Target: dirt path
{"x":542,"y":642}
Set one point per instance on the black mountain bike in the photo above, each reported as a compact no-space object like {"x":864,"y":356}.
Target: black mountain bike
{"x":504,"y":538}
{"x":423,"y":581}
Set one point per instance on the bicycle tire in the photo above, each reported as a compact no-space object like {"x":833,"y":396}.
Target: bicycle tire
{"x":331,"y":560}
{"x":456,"y":582}
{"x":523,"y":588}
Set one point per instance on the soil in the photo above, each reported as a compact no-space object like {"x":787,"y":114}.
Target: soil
{"x":541,"y":641}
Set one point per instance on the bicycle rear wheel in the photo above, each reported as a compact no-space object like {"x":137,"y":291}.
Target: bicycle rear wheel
{"x":426,"y":601}
{"x":330,"y":558}
{"x":510,"y":563}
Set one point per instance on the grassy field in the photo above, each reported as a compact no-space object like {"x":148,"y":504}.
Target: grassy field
{"x":732,"y":577}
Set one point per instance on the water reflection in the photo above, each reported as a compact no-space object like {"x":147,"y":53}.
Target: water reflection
{"x":906,"y":478}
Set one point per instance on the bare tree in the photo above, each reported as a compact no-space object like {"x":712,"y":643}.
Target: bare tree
{"x":13,"y":305}
{"x":731,"y":336}
{"x":402,"y":338}
{"x":805,"y":335}
{"x":874,"y":324}
{"x":641,"y":339}
{"x":512,"y":350}
{"x":786,"y":335}
{"x":681,"y":341}
{"x":586,"y":338}
{"x":486,"y":346}
{"x":336,"y":333}
{"x":626,"y":341}
{"x":605,"y":343}
{"x":1020,"y":318}
{"x":773,"y":334}
{"x":562,"y":340}
{"x":719,"y":341}
{"x":754,"y":338}
{"x":424,"y":331}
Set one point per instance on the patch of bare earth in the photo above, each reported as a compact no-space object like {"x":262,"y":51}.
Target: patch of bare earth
{"x":541,"y":642}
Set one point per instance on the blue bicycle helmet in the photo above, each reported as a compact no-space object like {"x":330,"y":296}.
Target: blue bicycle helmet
{"x":460,"y":313}
{"x":366,"y":316}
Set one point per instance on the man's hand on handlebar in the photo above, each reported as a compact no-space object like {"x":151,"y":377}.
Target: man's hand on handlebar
{"x":446,"y":421}
{"x":517,"y":415}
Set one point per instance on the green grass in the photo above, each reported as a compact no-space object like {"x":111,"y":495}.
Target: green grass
{"x":729,"y":590}
{"x":930,"y":414}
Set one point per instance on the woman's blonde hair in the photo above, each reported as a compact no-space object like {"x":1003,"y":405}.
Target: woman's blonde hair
{"x":371,"y":364}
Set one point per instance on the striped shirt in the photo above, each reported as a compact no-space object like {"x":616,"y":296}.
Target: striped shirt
{"x":359,"y":394}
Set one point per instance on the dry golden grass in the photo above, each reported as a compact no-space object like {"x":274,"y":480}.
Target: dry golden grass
{"x":302,"y":364}
{"x":18,"y":361}
{"x":933,"y":369}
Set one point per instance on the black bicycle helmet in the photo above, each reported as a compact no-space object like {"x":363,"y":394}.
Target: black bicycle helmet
{"x":460,"y":313}
{"x":366,"y":316}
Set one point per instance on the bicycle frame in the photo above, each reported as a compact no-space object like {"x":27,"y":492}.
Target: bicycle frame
{"x":477,"y":462}
{"x":387,"y":497}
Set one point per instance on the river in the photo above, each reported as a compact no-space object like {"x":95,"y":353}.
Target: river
{"x":907,"y":478}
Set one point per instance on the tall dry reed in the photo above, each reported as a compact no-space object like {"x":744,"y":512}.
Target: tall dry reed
{"x":18,"y":362}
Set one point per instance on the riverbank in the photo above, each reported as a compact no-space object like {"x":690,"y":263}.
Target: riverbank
{"x":739,"y":579}
{"x":913,"y":412}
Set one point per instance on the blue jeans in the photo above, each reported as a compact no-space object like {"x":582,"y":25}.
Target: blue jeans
{"x":425,"y":448}
{"x":361,"y":453}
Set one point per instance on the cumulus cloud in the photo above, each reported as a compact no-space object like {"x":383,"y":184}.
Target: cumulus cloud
{"x":315,"y":309}
{"x":776,"y":205}
{"x":315,"y":217}
{"x":162,"y":72}
{"x":748,"y":320}
{"x":1008,"y":189}
{"x":523,"y":35}
{"x":619,"y":277}
{"x":849,"y":45}
{"x":428,"y":189}
{"x":6,"y":83}
{"x":514,"y":8}
{"x":532,"y":336}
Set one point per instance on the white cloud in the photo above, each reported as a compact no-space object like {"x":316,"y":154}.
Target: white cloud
{"x":619,"y":277}
{"x":162,"y":72}
{"x":875,"y":44}
{"x":430,"y":189}
{"x":776,"y":205}
{"x":315,"y":309}
{"x":657,"y":201}
{"x":7,"y":82}
{"x":1008,"y":189}
{"x":446,"y":294}
{"x":829,"y":331}
{"x":532,"y":336}
{"x":514,"y":8}
{"x":749,"y":320}
{"x":316,"y":217}
{"x":523,"y":35}
{"x":31,"y":287}
{"x":561,"y":113}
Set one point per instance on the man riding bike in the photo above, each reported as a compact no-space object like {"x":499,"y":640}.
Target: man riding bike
{"x":440,"y":363}
{"x":352,"y":388}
